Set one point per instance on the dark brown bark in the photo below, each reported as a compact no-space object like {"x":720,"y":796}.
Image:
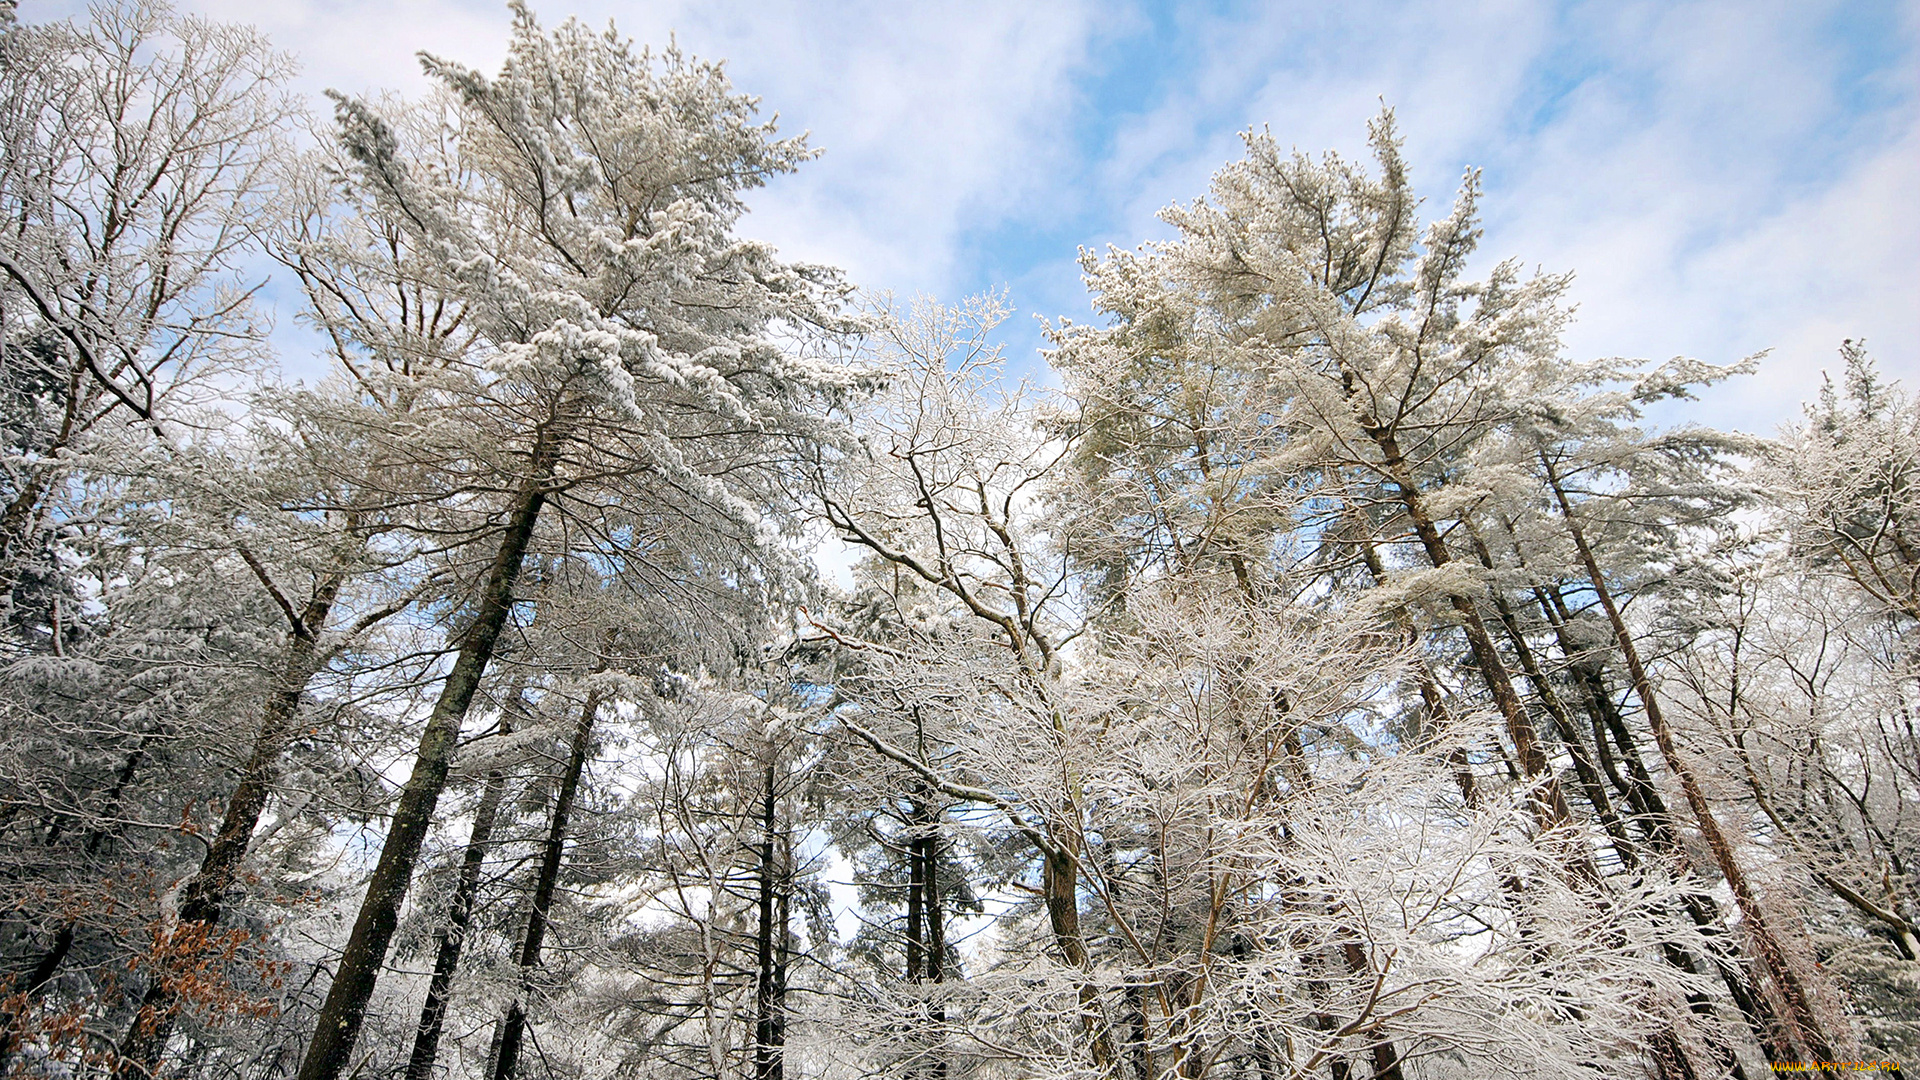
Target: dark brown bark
{"x":1670,"y":1058}
{"x":1059,"y":893}
{"x":1060,"y":890}
{"x":916,"y":898}
{"x":1386,"y":1057}
{"x":1548,"y":802}
{"x":513,"y":1025}
{"x":337,"y":1029}
{"x":1570,"y":735}
{"x":49,"y":963}
{"x":1319,"y":982}
{"x":1654,"y":822}
{"x":770,"y":944}
{"x":466,"y":889}
{"x":1650,"y":813}
{"x":1138,"y":1050}
{"x":203,"y":895}
{"x":1667,"y":1050}
{"x":1613,"y":737}
{"x":926,"y":930}
{"x":1803,"y":1023}
{"x":936,"y":922}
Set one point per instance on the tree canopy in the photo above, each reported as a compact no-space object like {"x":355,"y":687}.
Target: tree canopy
{"x":1329,"y":677}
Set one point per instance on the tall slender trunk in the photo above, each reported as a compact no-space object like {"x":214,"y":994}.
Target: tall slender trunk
{"x":203,"y":895}
{"x":1570,"y":735}
{"x":337,"y":1029}
{"x":1318,"y":971}
{"x":926,"y":931}
{"x":1651,"y":817}
{"x":1431,"y":698}
{"x":1804,"y":1024}
{"x":1060,"y":890}
{"x":770,"y":943}
{"x":927,"y":843}
{"x":1610,"y":732}
{"x":1385,"y":1055}
{"x":466,"y":889}
{"x":514,"y":1025}
{"x":1655,"y":823}
{"x":1138,"y":1048}
{"x":926,"y":927}
{"x":916,"y":897}
{"x":936,"y":922}
{"x":1548,"y":802}
{"x":1667,"y":1048}
{"x":1059,"y":849}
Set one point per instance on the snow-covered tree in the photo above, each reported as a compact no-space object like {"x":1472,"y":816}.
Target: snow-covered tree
{"x":1332,"y":679}
{"x":136,"y":151}
{"x":626,"y":366}
{"x":1305,"y":382}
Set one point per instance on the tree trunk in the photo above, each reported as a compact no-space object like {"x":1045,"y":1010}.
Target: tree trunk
{"x":446,"y":961}
{"x":1803,"y":1023}
{"x":1637,"y":787}
{"x":1060,"y":888}
{"x":1667,"y":1049}
{"x":770,"y":991}
{"x":1549,"y":804}
{"x":916,"y":896}
{"x":203,"y":895}
{"x":1385,"y":1055}
{"x":936,"y":929}
{"x":1318,"y":967}
{"x":1570,"y":735}
{"x":514,"y":1025}
{"x":337,"y":1029}
{"x":1655,"y":824}
{"x":926,"y":932}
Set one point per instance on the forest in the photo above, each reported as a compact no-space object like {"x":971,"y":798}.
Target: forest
{"x":644,"y":657}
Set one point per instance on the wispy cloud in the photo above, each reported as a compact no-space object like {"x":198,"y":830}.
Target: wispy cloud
{"x":1725,"y":176}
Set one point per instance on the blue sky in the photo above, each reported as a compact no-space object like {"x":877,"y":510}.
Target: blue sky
{"x":1724,"y":177}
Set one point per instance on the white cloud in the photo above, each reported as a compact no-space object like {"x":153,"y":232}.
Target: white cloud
{"x":367,"y":46}
{"x":1710,"y":196}
{"x":1698,"y":164}
{"x":1695,"y":164}
{"x":935,"y":117}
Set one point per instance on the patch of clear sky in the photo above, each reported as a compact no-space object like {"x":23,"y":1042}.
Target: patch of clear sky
{"x":1140,"y":54}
